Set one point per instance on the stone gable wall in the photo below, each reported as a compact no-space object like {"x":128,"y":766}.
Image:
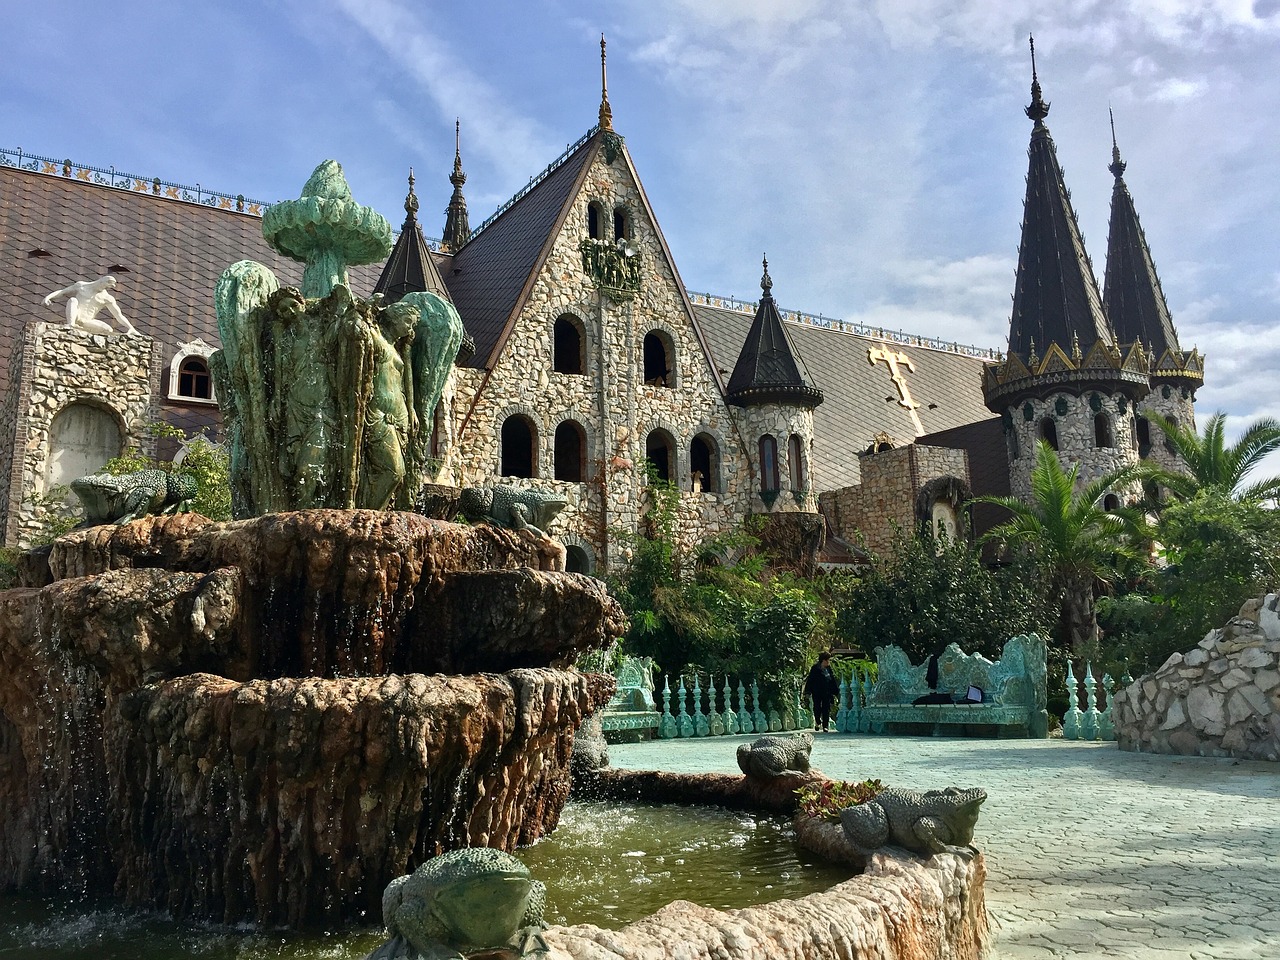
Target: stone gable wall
{"x":873,"y":511}
{"x":609,"y":400}
{"x":1220,"y":699}
{"x":63,"y":366}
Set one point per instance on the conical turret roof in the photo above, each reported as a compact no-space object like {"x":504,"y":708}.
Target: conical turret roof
{"x":410,"y":268}
{"x":1134,"y":300}
{"x":768,"y":369}
{"x":1055,"y":297}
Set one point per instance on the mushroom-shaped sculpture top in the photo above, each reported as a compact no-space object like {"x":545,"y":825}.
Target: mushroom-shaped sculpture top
{"x":326,"y":230}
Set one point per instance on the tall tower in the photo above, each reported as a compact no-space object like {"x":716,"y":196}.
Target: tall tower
{"x":775,"y":397}
{"x":1138,"y":312}
{"x":1066,"y":379}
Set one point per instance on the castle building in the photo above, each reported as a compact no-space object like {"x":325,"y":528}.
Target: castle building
{"x":589,"y":367}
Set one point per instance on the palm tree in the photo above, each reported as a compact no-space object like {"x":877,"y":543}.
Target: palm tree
{"x":1074,"y":541}
{"x":1212,"y":464}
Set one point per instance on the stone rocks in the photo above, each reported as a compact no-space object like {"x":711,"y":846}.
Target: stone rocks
{"x":1220,"y":699}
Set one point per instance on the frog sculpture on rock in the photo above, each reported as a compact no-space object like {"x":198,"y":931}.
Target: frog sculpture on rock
{"x":465,"y":903}
{"x":108,"y":498}
{"x":518,"y":509}
{"x":937,"y":821}
{"x":774,"y":756}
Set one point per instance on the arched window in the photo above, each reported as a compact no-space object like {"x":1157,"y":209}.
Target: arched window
{"x":660,"y":449}
{"x":795,"y":464}
{"x":570,"y":449}
{"x":1144,"y":437}
{"x":659,"y":371}
{"x":1102,"y":436}
{"x":82,"y":437}
{"x":1049,"y":432}
{"x":621,"y":225}
{"x":1110,"y":502}
{"x":568,"y":345}
{"x":519,"y":447}
{"x":594,"y":216}
{"x":577,"y":560}
{"x":768,"y":464}
{"x":1168,"y":444}
{"x":704,"y":464}
{"x":194,"y":380}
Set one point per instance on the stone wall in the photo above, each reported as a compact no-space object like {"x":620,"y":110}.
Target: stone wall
{"x":1073,"y":418}
{"x":885,"y":502}
{"x":1220,"y":699}
{"x":1172,"y":402}
{"x":61,"y":367}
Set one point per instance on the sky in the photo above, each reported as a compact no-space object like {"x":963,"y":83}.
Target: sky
{"x":874,"y":149}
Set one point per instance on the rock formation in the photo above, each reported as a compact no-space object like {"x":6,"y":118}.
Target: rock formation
{"x":1220,"y":699}
{"x":234,"y":721}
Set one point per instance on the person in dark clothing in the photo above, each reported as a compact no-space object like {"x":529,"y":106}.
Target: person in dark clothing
{"x":822,"y":687}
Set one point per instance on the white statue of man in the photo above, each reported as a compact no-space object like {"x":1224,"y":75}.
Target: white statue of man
{"x":85,"y":298}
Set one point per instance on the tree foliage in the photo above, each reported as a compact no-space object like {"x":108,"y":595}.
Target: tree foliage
{"x":209,"y":463}
{"x":1212,"y":464}
{"x":932,"y":592}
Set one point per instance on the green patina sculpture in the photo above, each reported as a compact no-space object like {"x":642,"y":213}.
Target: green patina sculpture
{"x":327,"y":399}
{"x":109,"y":498}
{"x":937,"y":821}
{"x":465,"y":902}
{"x":774,"y":756}
{"x":512,"y":507}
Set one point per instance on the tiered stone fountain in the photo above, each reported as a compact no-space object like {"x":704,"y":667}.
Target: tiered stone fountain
{"x":271,"y":718}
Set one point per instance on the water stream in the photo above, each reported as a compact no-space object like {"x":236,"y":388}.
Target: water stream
{"x":607,"y":864}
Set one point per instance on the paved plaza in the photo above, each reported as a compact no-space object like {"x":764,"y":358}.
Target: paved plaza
{"x":1091,"y":852}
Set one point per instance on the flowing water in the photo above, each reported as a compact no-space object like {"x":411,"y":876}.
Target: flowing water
{"x":607,"y":864}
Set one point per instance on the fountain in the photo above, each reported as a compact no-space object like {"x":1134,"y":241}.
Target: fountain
{"x":270,"y":718}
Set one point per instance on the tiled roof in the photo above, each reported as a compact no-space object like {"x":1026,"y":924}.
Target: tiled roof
{"x":488,"y":275}
{"x":410,"y":268}
{"x":859,"y":398}
{"x":768,"y":369}
{"x":174,"y":253}
{"x":1134,"y":300}
{"x":1055,"y":297}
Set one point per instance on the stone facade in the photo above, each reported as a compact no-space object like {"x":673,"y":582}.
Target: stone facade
{"x":68,"y":373}
{"x":617,"y":414}
{"x":1220,"y":699}
{"x":887,"y":499}
{"x":1095,"y":431}
{"x":1174,"y":403}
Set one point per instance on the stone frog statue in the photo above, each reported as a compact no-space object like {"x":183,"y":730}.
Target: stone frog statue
{"x":517,"y":509}
{"x":473,"y":902}
{"x":774,"y":756}
{"x":938,"y":821}
{"x":108,"y":498}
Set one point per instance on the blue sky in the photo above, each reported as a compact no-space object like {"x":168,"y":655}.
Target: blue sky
{"x":875,"y":150}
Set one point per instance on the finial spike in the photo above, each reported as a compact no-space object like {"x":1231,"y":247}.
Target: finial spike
{"x":606,"y":112}
{"x":457,"y":139}
{"x":1038,"y":109}
{"x":411,"y":201}
{"x":1117,"y":165}
{"x":766,"y":282}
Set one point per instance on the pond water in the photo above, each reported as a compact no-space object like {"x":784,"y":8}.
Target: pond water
{"x":607,"y":864}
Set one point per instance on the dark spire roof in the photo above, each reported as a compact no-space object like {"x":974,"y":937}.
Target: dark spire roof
{"x":456,"y":228}
{"x":410,"y":268}
{"x":1055,"y":298}
{"x":1135,"y":303}
{"x":769,"y":370}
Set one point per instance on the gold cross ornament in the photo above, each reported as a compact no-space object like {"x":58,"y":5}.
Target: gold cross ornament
{"x":895,"y":360}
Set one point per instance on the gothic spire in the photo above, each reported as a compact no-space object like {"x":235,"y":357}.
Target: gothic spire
{"x":1055,"y":296}
{"x":456,"y":228}
{"x":606,"y":112}
{"x":1134,"y":300}
{"x":768,"y":369}
{"x":410,"y":268}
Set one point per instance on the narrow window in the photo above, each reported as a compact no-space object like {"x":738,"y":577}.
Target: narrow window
{"x":704,"y":464}
{"x":1102,"y":431}
{"x":657,"y":361}
{"x":193,"y":379}
{"x":1144,"y":437}
{"x":593,"y":221}
{"x":518,"y":445}
{"x":1111,"y":502}
{"x":620,"y":231}
{"x":567,"y":346}
{"x":570,"y":444}
{"x":768,"y":464}
{"x":1168,"y":444}
{"x":795,"y":463}
{"x":1049,"y":432}
{"x":659,"y":448}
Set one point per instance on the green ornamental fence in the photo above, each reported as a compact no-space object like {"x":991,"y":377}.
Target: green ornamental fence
{"x":1090,"y":723}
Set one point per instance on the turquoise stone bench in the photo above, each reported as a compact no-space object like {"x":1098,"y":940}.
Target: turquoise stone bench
{"x":1014,"y":689}
{"x":632,"y":708}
